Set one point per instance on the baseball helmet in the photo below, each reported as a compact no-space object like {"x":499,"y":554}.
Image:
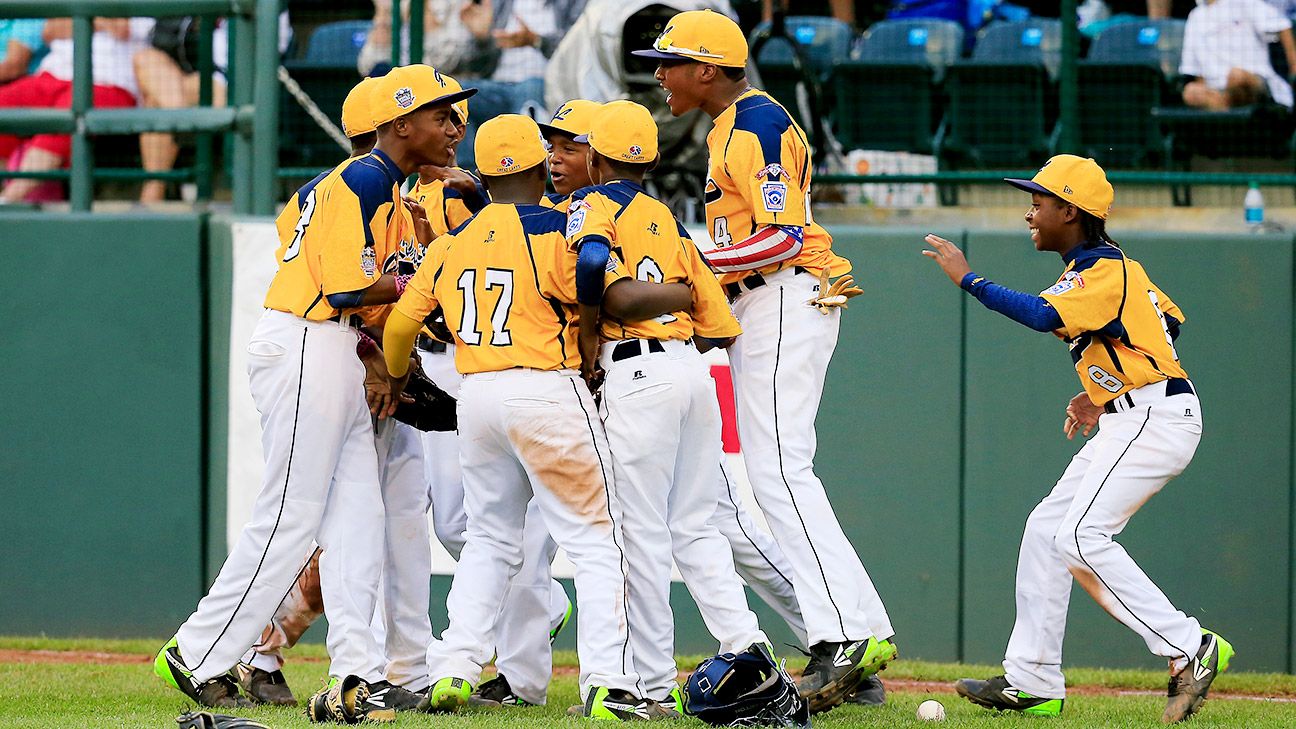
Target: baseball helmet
{"x":745,"y":689}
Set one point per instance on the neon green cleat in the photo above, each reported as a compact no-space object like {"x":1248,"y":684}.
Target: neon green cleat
{"x":1187,"y":689}
{"x":557,"y":630}
{"x":447,"y":694}
{"x":836,"y":670}
{"x":220,"y":692}
{"x":604,"y":704}
{"x":1000,"y":695}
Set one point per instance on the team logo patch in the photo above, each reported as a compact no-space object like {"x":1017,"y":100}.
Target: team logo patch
{"x":611,"y":264}
{"x":562,"y":114}
{"x":404,"y":97}
{"x":1067,"y":189}
{"x":576,"y":217}
{"x":506,"y":162}
{"x":1070,"y":280}
{"x":368,"y":262}
{"x":437,"y":75}
{"x":774,"y":196}
{"x":636,"y":150}
{"x":772,"y":172}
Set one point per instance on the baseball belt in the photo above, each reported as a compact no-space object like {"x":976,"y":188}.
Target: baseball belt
{"x":1173,"y":386}
{"x":428,"y":344}
{"x":752,"y":281}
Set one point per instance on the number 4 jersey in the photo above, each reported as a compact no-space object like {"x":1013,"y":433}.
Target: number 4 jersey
{"x":506,"y":281}
{"x":760,"y":175}
{"x":1120,"y":326}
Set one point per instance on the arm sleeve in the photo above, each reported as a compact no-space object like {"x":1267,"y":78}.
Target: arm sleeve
{"x":1268,"y":20}
{"x":769,"y":244}
{"x":768,"y":166}
{"x":591,"y":263}
{"x":398,"y":341}
{"x":557,"y":272}
{"x":1028,"y":309}
{"x":1089,"y":300}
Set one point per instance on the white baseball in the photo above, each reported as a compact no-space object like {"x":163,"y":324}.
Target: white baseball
{"x":931,"y":710}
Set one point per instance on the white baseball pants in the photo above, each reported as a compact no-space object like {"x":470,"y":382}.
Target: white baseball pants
{"x":757,"y":557}
{"x":528,"y":433}
{"x":321,"y":478}
{"x":1070,"y":534}
{"x":663,"y":424}
{"x":534,"y":602}
{"x":779,"y":364}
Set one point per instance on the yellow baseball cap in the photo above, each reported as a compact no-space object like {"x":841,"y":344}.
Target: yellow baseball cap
{"x":572,"y":118}
{"x":701,"y":35}
{"x":507,"y":144}
{"x":356,"y":117}
{"x":1078,"y":180}
{"x":407,"y":88}
{"x":625,"y":131}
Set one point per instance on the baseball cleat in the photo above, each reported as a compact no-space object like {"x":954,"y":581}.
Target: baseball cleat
{"x":1000,"y":695}
{"x":386,"y":695}
{"x":836,"y":669}
{"x":220,"y":692}
{"x":870,"y":692}
{"x":496,"y":693}
{"x":448,"y":694}
{"x":669,"y":707}
{"x":605,"y":704}
{"x":557,"y":629}
{"x":1188,"y":688}
{"x":264,"y":687}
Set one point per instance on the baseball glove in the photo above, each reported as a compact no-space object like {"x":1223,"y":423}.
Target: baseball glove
{"x":208,"y":720}
{"x":432,"y":408}
{"x":836,"y":294}
{"x":340,"y":701}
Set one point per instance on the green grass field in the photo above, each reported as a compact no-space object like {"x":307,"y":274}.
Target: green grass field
{"x":93,"y":684}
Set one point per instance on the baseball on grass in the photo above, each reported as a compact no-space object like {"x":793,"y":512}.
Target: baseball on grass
{"x":931,"y":710}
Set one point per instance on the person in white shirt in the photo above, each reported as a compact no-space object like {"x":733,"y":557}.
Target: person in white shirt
{"x":115,"y":41}
{"x":1226,"y":52}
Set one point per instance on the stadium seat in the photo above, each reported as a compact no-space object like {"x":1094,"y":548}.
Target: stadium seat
{"x":337,"y":44}
{"x":1125,"y":76}
{"x":887,"y":95}
{"x":1001,"y":109}
{"x":824,"y":42}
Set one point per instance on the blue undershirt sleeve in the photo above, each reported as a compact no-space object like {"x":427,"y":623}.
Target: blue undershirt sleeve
{"x":346,"y":300}
{"x":1028,"y":309}
{"x":591,"y":264}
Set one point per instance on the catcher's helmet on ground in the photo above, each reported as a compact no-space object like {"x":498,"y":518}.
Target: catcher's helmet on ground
{"x":745,"y":689}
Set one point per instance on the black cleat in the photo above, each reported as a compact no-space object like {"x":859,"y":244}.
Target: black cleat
{"x":870,"y":692}
{"x":387,"y":695}
{"x":496,"y":693}
{"x":836,"y":669}
{"x":264,"y":687}
{"x":1188,"y":688}
{"x":1000,"y":695}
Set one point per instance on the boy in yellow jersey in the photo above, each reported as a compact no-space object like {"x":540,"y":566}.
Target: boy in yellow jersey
{"x":321,"y":468}
{"x":772,"y":258}
{"x":1121,"y":330}
{"x":659,"y":405}
{"x":568,"y":158}
{"x":508,"y":285}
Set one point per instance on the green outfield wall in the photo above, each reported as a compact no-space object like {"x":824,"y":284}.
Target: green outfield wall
{"x":940,"y":430}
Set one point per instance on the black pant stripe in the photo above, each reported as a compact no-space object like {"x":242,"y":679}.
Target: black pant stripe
{"x":778,"y":441}
{"x":1076,"y":536}
{"x":734,"y":501}
{"x":292,"y":443}
{"x":625,"y":567}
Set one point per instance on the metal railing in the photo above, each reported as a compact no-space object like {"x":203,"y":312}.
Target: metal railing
{"x":251,"y":115}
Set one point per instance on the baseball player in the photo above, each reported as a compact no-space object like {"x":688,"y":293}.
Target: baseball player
{"x":775,"y":263}
{"x":321,"y":474}
{"x":535,"y":607}
{"x":659,"y":405}
{"x":508,"y":286}
{"x":1121,"y":330}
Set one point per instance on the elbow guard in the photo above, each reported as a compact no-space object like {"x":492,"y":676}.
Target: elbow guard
{"x":591,"y":264}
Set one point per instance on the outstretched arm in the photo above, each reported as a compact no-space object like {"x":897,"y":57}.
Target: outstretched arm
{"x":1028,"y":309}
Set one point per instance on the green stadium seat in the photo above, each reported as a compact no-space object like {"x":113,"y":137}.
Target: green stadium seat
{"x":1002,"y":109}
{"x":888,"y":94}
{"x":1123,"y":79}
{"x":824,"y":43}
{"x":337,"y":44}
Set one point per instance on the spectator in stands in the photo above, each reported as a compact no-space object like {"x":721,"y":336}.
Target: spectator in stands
{"x":22,"y":46}
{"x":499,"y":46}
{"x":1226,"y":54}
{"x":115,"y":42}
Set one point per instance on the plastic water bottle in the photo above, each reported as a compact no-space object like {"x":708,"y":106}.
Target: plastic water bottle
{"x":1254,"y":205}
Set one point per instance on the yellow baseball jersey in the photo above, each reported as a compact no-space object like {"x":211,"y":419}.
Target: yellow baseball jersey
{"x":506,"y":281}
{"x":1116,"y":321}
{"x":759,"y":174}
{"x":447,"y":208}
{"x":655,"y":247}
{"x":350,"y":226}
{"x":555,"y":201}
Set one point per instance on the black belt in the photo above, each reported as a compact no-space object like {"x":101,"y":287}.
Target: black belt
{"x":752,"y":281}
{"x":352,"y":320}
{"x":1174,"y":386}
{"x":428,"y":344}
{"x":633,"y":348}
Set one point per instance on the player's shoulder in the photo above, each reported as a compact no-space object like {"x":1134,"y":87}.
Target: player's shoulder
{"x":1098,"y":256}
{"x":620,"y":193}
{"x":539,"y":220}
{"x":370,"y":176}
{"x":759,"y":114}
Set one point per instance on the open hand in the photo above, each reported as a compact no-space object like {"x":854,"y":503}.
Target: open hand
{"x":950,"y":258}
{"x":1081,"y":416}
{"x":422,"y":226}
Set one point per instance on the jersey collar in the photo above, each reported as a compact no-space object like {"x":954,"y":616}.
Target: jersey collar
{"x":388,"y":166}
{"x":1084,"y":250}
{"x":731,"y":112}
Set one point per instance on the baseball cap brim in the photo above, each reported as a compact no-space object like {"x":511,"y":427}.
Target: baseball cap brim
{"x":1029,"y":186}
{"x":654,"y":53}
{"x":580,"y":138}
{"x":548,"y":130}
